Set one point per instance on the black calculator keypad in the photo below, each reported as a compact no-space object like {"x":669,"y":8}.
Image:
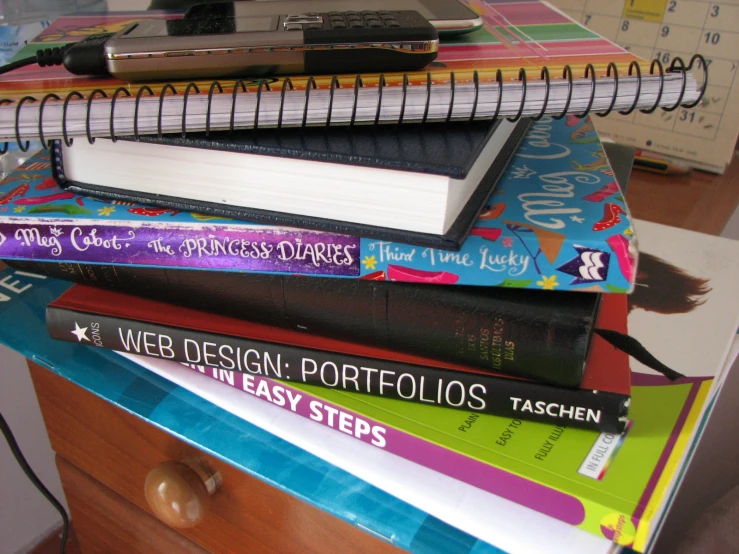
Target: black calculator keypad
{"x":363,"y":19}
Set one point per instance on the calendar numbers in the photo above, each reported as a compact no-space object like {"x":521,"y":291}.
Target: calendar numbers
{"x":637,"y":33}
{"x":676,"y":37}
{"x":713,"y":38}
{"x":604,"y":25}
{"x":718,"y":44}
{"x":664,"y":57}
{"x":687,"y":13}
{"x":686,"y":115}
{"x":722,"y":18}
{"x":696,"y":123}
{"x":665,"y":30}
{"x":720,"y":72}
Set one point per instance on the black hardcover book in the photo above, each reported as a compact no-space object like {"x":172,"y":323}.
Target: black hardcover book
{"x":540,"y":335}
{"x":117,"y":321}
{"x":416,"y":184}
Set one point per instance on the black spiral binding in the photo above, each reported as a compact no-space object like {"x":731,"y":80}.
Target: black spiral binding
{"x":285,"y":84}
{"x":90,"y":98}
{"x":24,"y":148}
{"x":139,"y":94}
{"x":189,"y":87}
{"x":310,"y":85}
{"x":522,"y":78}
{"x":476,"y":82}
{"x":214,"y":85}
{"x":117,"y":92}
{"x":428,"y":98}
{"x":334,"y":85}
{"x":590,"y":72}
{"x":612,"y":67}
{"x":661,"y":83}
{"x":499,"y":80}
{"x":567,"y":74}
{"x":547,"y":83}
{"x":656,"y":68}
{"x":238,"y":84}
{"x":262,"y":85}
{"x":41,"y":117}
{"x":162,"y":94}
{"x":632,"y":66}
{"x":452,"y":86}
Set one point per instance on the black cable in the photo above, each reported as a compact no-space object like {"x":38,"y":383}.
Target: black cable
{"x":35,"y":480}
{"x":16,"y":64}
{"x":43,"y":57}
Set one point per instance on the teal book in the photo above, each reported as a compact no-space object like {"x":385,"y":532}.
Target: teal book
{"x":557,"y":221}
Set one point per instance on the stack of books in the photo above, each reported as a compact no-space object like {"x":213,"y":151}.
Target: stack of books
{"x":446,"y":292}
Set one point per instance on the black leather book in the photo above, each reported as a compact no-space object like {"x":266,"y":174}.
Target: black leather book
{"x":539,"y":335}
{"x":416,"y":184}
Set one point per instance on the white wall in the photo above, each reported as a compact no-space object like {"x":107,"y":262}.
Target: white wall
{"x":25,"y":515}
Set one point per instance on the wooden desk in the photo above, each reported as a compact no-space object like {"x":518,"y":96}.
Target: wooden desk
{"x":698,"y":201}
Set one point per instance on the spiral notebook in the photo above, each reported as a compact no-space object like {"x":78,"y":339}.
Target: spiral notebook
{"x":529,"y":59}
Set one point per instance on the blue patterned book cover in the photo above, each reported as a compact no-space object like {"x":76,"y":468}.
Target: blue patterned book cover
{"x":557,"y":221}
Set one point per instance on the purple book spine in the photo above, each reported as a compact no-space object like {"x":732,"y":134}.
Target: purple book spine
{"x":484,"y":476}
{"x":262,"y":249}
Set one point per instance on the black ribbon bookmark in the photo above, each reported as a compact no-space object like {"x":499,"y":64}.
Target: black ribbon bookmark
{"x":636,"y":350}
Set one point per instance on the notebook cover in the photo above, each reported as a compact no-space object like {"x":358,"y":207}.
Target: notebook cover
{"x":426,"y":149}
{"x":527,"y":33}
{"x":557,"y":221}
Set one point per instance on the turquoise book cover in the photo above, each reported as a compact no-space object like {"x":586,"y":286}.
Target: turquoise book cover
{"x":557,"y":221}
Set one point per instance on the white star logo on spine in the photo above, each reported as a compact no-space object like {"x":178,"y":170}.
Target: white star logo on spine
{"x":80,"y":332}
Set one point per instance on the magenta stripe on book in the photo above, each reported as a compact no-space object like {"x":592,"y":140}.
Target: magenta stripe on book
{"x":474,"y":472}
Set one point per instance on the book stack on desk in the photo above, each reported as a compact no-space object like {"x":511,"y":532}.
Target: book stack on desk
{"x":394,"y":283}
{"x":457,"y":329}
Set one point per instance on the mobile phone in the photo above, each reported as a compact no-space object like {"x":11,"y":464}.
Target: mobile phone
{"x":312,"y":43}
{"x":450,"y":17}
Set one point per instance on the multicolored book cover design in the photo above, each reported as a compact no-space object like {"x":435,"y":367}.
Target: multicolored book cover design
{"x":557,"y":221}
{"x":616,"y":486}
{"x":525,"y":34}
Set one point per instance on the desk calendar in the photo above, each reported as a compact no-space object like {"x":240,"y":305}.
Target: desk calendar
{"x":663,"y":29}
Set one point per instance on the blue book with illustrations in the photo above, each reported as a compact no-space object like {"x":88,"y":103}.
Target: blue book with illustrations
{"x":557,"y":221}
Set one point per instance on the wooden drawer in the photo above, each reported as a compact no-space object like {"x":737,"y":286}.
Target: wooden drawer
{"x":246,"y":515}
{"x":110,"y":524}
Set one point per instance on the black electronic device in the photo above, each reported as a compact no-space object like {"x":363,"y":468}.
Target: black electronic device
{"x":450,"y":17}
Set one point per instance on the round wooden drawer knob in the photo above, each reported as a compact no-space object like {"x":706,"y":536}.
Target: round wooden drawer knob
{"x":179,"y":492}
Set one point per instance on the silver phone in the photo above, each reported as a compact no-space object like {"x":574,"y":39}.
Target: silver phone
{"x":450,"y":17}
{"x":312,"y":43}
